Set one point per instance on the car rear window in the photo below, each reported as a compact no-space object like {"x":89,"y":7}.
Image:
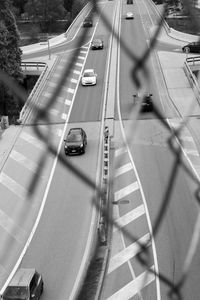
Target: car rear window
{"x":74,"y":137}
{"x":15,"y":292}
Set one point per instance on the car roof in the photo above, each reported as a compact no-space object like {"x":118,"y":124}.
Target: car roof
{"x":97,"y":40}
{"x":22,"y":277}
{"x":88,"y":70}
{"x":75,"y":129}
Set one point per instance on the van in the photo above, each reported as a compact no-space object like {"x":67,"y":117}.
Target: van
{"x":26,"y":284}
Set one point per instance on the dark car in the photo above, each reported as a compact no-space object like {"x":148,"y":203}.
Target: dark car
{"x":88,"y":22}
{"x":75,"y":142}
{"x":97,"y":44}
{"x":147,"y":103}
{"x":192,"y":47}
{"x":26,"y":284}
{"x":129,"y":2}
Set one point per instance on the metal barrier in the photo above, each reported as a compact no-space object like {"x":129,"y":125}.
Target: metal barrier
{"x":32,"y":97}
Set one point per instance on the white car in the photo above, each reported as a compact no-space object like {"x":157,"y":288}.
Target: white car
{"x":89,"y":77}
{"x":129,"y":15}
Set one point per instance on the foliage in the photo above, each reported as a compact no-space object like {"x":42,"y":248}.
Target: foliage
{"x":10,"y":53}
{"x":46,"y":12}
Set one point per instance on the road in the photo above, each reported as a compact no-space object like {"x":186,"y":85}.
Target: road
{"x":142,"y":168}
{"x":142,"y":172}
{"x":62,"y":238}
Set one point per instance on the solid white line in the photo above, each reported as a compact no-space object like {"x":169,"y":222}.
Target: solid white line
{"x":126,"y":191}
{"x":130,"y":290}
{"x":125,"y":168}
{"x":141,"y":190}
{"x":128,"y":253}
{"x":13,"y":186}
{"x":130,"y":216}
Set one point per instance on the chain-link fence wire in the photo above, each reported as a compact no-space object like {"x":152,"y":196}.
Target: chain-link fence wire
{"x":174,"y":142}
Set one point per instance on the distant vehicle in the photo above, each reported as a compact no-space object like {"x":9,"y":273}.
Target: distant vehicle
{"x":129,"y":2}
{"x":192,"y":47}
{"x":88,"y":22}
{"x":75,"y":142}
{"x":89,"y":77}
{"x":26,"y":284}
{"x":129,"y":15}
{"x":147,"y":103}
{"x":97,"y":44}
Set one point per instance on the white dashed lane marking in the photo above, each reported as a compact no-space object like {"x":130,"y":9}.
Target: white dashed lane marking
{"x":64,"y":116}
{"x":74,"y":80}
{"x":13,"y":186}
{"x":128,"y":253}
{"x":76,"y":72}
{"x":71,"y":91}
{"x":125,"y":168}
{"x":81,"y":57}
{"x":126,"y":191}
{"x":131,"y":289}
{"x":68,"y":102}
{"x":130,"y":216}
{"x":78,"y":64}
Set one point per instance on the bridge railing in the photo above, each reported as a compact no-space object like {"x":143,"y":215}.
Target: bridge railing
{"x":34,"y":93}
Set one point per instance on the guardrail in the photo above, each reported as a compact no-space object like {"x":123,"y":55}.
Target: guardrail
{"x":33,"y":65}
{"x":34,"y":93}
{"x":191,"y":77}
{"x":193,"y":60}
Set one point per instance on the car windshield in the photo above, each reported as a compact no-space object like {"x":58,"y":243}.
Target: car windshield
{"x":88,"y":74}
{"x":15,"y":293}
{"x":74,"y":137}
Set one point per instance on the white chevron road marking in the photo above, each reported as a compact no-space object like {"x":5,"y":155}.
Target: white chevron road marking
{"x":130,"y":290}
{"x":130,"y":216}
{"x":27,"y":163}
{"x":126,"y":254}
{"x":13,"y":186}
{"x":126,"y":191}
{"x":11,"y":227}
{"x":125,"y":168}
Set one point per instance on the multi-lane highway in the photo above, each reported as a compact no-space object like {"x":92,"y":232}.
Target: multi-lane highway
{"x":60,"y":215}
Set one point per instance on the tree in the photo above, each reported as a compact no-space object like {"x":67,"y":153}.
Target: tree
{"x":45,"y":12}
{"x":68,"y":5}
{"x":10,"y":54}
